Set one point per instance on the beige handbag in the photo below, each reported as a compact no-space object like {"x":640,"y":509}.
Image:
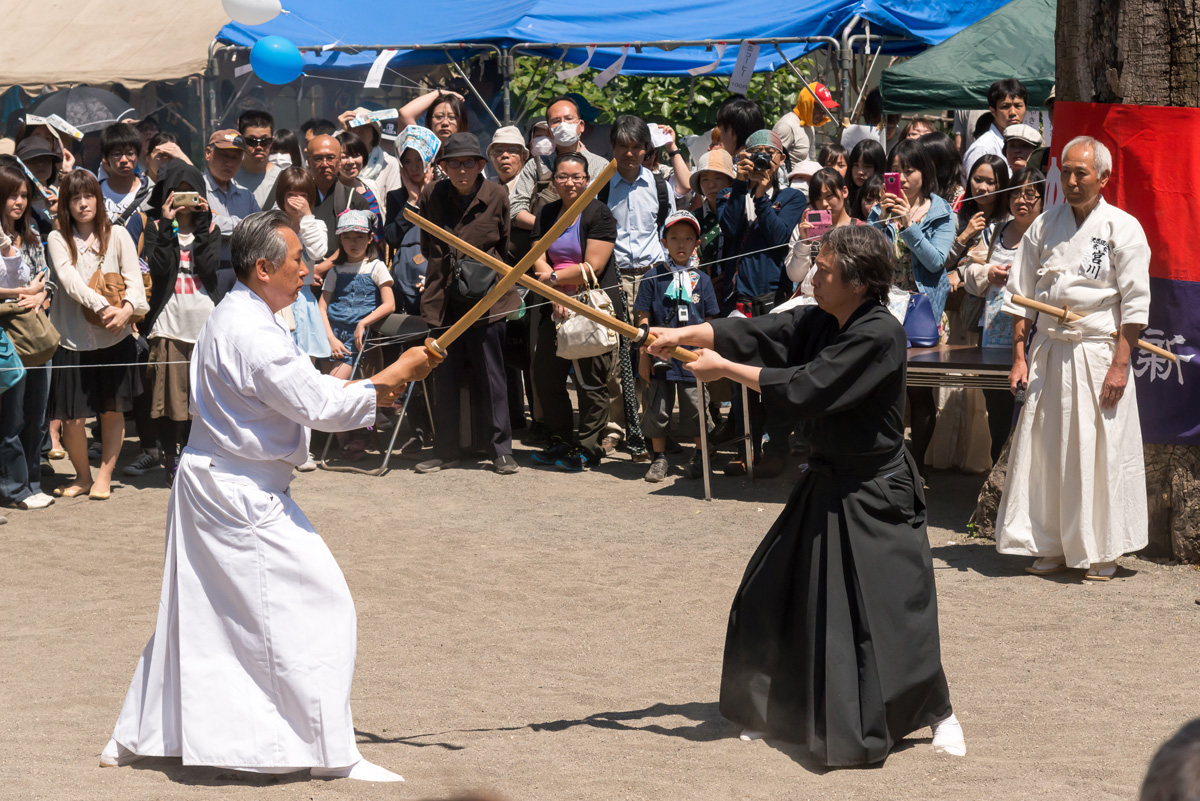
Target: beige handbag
{"x":579,"y":337}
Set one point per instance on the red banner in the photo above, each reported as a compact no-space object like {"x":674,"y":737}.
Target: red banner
{"x":1156,"y":173}
{"x":1156,"y":178}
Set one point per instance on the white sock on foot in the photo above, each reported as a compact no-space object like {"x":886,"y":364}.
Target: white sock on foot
{"x":948,"y":737}
{"x":361,"y":770}
{"x":749,"y":735}
{"x":116,"y":755}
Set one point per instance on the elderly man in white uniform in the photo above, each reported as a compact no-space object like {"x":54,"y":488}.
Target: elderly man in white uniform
{"x":251,"y":662}
{"x":1075,"y":495}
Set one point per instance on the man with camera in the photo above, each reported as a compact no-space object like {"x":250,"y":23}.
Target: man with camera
{"x":756,"y":281}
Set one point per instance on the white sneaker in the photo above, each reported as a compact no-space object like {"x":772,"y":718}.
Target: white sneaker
{"x":116,"y":755}
{"x":309,"y":465}
{"x":39,"y":500}
{"x":361,"y":770}
{"x":750,"y":735}
{"x":143,"y":464}
{"x":948,"y":737}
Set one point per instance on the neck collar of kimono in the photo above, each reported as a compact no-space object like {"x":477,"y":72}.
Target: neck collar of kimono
{"x":1075,"y":212}
{"x":862,"y":309}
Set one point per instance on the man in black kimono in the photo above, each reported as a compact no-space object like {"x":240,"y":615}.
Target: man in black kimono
{"x":833,"y":635}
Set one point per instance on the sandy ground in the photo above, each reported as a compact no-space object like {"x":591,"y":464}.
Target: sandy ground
{"x":550,"y":636}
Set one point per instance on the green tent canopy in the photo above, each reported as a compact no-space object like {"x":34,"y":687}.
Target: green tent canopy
{"x":1015,"y":41}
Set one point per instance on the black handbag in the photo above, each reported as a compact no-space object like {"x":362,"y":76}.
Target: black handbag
{"x":470,"y":281}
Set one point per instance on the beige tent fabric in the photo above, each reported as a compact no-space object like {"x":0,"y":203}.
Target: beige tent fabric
{"x":129,"y":42}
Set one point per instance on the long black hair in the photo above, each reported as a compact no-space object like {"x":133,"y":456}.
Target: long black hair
{"x":970,"y":206}
{"x":911,"y":154}
{"x":946,"y":163}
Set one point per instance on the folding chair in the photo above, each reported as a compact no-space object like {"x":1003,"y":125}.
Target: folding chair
{"x":407,"y":328}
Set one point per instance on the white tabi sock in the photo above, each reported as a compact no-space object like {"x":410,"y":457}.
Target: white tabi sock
{"x":361,"y":770}
{"x":116,"y":755}
{"x":948,"y":737}
{"x":749,"y":735}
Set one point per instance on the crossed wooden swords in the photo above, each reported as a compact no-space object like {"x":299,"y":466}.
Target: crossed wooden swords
{"x":511,"y":276}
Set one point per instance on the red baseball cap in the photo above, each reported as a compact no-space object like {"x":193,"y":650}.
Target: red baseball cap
{"x":822,"y":94}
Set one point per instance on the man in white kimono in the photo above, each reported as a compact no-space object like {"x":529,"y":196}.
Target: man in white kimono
{"x":1075,"y":495}
{"x":251,"y":662}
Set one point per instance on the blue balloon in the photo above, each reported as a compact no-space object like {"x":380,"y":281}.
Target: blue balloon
{"x":276,"y":60}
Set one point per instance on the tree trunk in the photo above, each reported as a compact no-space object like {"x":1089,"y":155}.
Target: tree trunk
{"x":1140,"y":52}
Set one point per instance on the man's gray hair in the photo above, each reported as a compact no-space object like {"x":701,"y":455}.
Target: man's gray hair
{"x":1101,"y":156}
{"x":864,"y":256}
{"x":257,"y":237}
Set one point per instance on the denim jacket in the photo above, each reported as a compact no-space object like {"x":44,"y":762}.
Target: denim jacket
{"x":929,"y":242}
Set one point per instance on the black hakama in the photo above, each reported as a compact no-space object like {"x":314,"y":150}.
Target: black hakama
{"x":833,"y":635}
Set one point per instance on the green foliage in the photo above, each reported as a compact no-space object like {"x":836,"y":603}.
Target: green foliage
{"x":688,"y":104}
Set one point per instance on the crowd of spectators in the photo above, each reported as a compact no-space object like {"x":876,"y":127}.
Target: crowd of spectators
{"x":724,"y":227}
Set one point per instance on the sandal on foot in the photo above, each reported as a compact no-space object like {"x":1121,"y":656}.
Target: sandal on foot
{"x":1045,"y":567}
{"x":1100,"y":573}
{"x":71,"y":491}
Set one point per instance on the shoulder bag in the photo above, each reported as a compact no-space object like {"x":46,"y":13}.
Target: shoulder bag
{"x":33,"y":335}
{"x":11,"y":369}
{"x":112,"y":287}
{"x":579,"y":337}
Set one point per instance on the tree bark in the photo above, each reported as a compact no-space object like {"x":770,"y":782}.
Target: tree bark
{"x":1140,"y":52}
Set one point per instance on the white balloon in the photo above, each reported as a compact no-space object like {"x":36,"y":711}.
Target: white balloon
{"x":252,"y":12}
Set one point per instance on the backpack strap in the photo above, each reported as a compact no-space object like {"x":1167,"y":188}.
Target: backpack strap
{"x":664,"y":199}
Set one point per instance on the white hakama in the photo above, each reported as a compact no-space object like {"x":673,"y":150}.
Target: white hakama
{"x":1076,"y":485}
{"x":252,"y":658}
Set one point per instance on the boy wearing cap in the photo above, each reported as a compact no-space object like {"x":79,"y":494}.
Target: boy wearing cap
{"x":672,"y":294}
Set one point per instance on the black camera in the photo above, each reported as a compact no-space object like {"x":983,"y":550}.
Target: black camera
{"x":763,"y":162}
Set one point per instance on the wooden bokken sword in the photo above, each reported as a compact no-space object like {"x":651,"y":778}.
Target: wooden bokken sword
{"x":638,"y":335}
{"x":508,"y":277}
{"x":1065,"y":315}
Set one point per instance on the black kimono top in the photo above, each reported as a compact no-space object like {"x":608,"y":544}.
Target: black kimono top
{"x":844,"y":388}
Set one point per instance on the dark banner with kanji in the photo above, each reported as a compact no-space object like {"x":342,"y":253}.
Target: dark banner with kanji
{"x":1156,"y":178}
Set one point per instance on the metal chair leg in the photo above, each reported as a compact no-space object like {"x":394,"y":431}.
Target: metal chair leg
{"x":749,"y":435}
{"x":704,"y":440}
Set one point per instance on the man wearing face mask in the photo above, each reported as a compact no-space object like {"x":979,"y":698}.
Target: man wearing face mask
{"x":566,"y":127}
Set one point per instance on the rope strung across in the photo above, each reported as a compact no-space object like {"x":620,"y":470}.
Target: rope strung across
{"x":509,"y":278}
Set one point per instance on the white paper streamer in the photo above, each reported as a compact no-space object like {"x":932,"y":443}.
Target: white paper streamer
{"x":707,"y":68}
{"x":375,"y":74}
{"x":575,"y":72}
{"x":612,"y":70}
{"x":743,"y":71}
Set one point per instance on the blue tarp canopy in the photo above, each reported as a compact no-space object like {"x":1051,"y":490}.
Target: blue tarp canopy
{"x":369,"y":24}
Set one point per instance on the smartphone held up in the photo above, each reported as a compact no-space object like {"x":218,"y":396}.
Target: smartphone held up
{"x":188,"y":200}
{"x":891,"y":183}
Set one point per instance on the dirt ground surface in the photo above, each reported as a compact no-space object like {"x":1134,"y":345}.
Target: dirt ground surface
{"x":551,"y":636}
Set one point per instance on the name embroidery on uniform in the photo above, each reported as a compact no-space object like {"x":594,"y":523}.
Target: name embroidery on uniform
{"x":1097,"y":265}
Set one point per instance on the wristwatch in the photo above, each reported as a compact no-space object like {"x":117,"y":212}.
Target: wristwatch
{"x":673,"y":153}
{"x":554,"y":278}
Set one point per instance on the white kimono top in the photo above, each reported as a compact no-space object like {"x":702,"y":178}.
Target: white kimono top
{"x":256,"y":396}
{"x":1101,"y":267}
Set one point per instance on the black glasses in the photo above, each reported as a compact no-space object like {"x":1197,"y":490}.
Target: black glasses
{"x":455,"y":164}
{"x":563,"y":178}
{"x":259,"y":141}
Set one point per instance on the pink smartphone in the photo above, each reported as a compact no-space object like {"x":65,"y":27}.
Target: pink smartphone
{"x":821,"y":221}
{"x":891,"y":183}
